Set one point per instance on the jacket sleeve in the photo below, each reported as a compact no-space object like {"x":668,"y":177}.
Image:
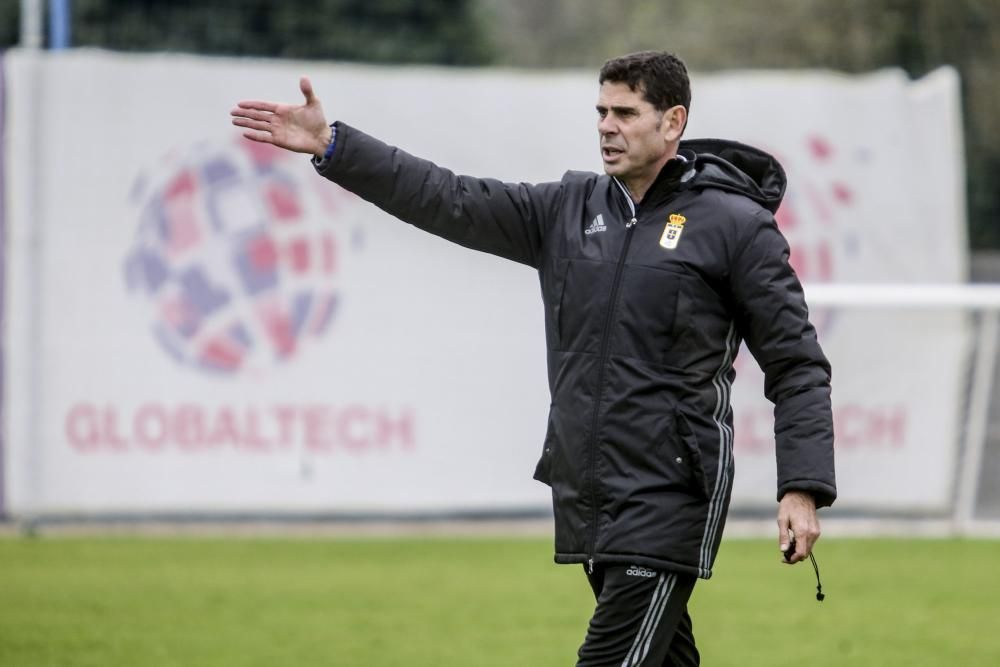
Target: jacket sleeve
{"x":774,"y":320}
{"x":502,"y":219}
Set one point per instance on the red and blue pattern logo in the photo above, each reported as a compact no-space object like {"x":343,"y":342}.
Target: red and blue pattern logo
{"x":236,"y":255}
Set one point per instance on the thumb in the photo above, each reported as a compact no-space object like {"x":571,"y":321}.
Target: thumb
{"x":305,"y":85}
{"x":784,"y":532}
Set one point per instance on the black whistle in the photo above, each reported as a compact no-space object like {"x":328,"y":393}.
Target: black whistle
{"x":790,"y":551}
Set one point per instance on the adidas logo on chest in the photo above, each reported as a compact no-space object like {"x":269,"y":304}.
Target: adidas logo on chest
{"x":596,"y":226}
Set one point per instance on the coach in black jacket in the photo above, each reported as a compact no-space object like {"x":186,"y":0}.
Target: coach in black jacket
{"x":652,"y":274}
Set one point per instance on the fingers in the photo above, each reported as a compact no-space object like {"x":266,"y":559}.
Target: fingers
{"x":251,"y":118}
{"x":798,"y":525}
{"x":802,"y":545}
{"x":809,"y":529}
{"x":305,"y":85}
{"x":258,"y":105}
{"x":259,"y":137}
{"x":259,"y":125}
{"x":784,"y":533}
{"x":786,"y":540}
{"x":253,"y":114}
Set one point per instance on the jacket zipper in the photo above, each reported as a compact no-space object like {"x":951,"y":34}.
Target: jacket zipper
{"x":603,"y":361}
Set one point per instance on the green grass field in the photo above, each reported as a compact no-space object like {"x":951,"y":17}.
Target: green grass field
{"x":474,"y":602}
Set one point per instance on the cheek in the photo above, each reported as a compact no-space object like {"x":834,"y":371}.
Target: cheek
{"x":646,"y":147}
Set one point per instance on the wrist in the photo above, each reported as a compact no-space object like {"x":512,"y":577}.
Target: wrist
{"x":799,"y":496}
{"x":324,"y":143}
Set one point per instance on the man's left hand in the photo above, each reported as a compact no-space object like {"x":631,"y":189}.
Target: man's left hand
{"x":797,"y":523}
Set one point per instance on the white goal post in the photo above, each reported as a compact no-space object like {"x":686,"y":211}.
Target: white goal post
{"x":981,"y":302}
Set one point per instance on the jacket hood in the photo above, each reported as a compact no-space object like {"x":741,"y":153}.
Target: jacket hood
{"x":735,"y":167}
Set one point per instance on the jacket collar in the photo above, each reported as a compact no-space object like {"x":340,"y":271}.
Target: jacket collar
{"x":678,"y":170}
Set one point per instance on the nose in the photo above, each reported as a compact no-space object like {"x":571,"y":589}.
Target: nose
{"x":606,"y":126}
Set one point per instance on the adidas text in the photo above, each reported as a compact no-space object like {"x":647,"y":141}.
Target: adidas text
{"x":636,"y":571}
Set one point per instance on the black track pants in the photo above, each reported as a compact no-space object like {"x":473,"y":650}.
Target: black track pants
{"x":641,"y":619}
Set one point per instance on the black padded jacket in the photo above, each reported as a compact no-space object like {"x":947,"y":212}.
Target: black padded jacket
{"x":645,"y":309}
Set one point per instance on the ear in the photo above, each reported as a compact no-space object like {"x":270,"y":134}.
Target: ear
{"x":674,"y":122}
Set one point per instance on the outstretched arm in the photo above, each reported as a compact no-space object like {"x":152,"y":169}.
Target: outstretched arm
{"x":300,"y":128}
{"x":504,"y":219}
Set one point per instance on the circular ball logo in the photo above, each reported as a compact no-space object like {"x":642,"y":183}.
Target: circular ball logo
{"x":236,"y":260}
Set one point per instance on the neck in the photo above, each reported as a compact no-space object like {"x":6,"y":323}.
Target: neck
{"x":639,"y":185}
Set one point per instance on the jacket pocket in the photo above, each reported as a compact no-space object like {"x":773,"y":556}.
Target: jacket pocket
{"x":689,"y":443}
{"x":554,"y":288}
{"x":647,"y":313}
{"x":543,"y":470}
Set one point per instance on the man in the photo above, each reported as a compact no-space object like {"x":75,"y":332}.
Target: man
{"x":651,"y":275}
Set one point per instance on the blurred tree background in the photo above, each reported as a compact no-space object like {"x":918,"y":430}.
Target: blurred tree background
{"x":843,"y":35}
{"x":9,"y":23}
{"x":384,"y":31}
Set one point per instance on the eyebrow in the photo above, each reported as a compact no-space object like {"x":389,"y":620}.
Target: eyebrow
{"x":619,"y":110}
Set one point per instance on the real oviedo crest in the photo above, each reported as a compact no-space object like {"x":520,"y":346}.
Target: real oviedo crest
{"x":672,"y":232}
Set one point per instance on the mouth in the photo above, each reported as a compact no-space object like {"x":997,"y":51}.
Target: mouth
{"x":611,"y":153}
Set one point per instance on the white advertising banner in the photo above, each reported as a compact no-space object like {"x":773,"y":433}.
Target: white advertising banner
{"x":876,"y":194}
{"x":200,"y":324}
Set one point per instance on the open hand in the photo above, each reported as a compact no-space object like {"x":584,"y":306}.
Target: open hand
{"x":302,"y":128}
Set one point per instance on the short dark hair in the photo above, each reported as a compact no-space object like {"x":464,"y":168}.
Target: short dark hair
{"x":661,"y":77}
